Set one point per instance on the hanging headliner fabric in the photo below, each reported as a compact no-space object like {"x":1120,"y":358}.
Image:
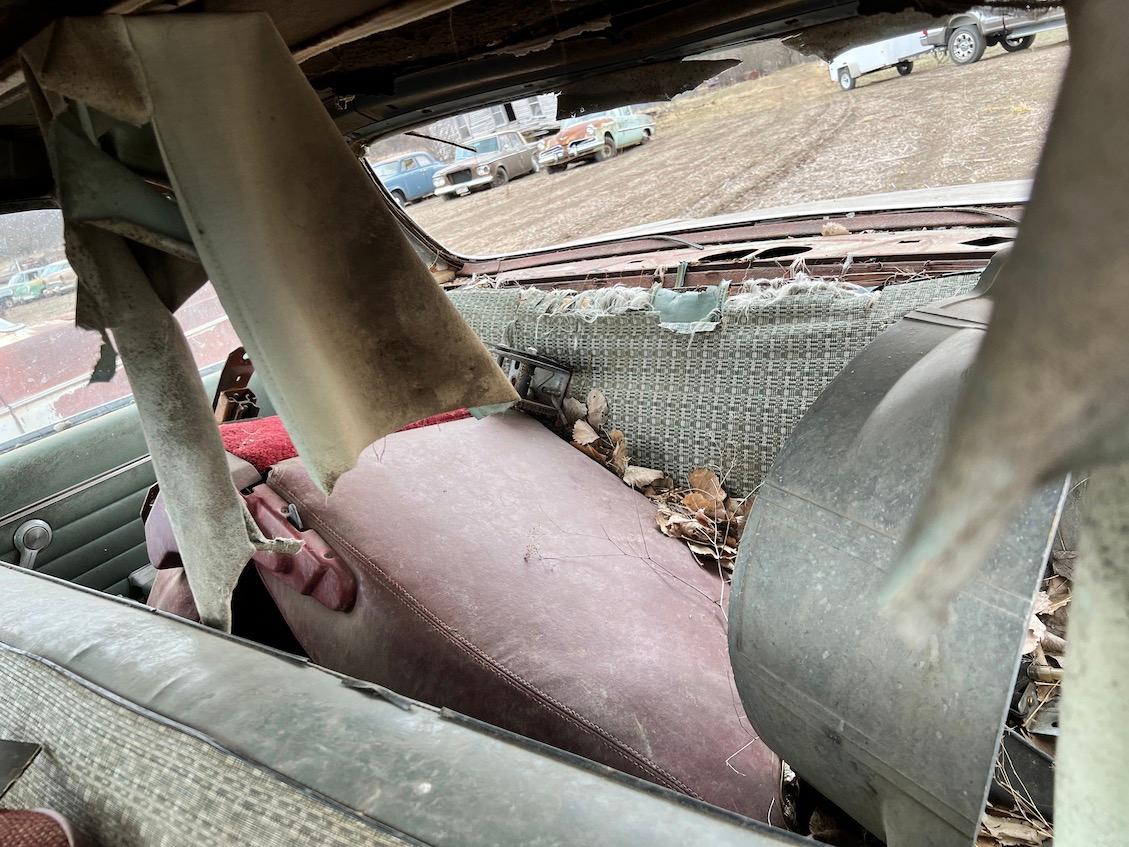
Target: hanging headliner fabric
{"x":350,"y":334}
{"x":188,"y":147}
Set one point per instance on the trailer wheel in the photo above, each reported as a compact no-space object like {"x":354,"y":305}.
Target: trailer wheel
{"x":966,"y":45}
{"x":1014,"y":45}
{"x":904,"y":68}
{"x":846,"y":81}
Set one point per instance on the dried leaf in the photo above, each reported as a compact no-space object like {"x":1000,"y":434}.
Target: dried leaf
{"x":1063,"y":563}
{"x":573,"y":410}
{"x":1011,"y":832}
{"x":1041,"y":604}
{"x":707,"y":551}
{"x":705,"y":481}
{"x":590,"y":451}
{"x":618,"y":460}
{"x":831,"y":228}
{"x":696,"y":501}
{"x":597,"y":408}
{"x":640,"y":477}
{"x":582,"y":433}
{"x":1036,"y":629}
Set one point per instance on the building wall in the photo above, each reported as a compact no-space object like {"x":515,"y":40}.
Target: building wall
{"x":520,"y":113}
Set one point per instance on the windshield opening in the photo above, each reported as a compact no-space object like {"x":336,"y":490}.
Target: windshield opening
{"x":778,"y":129}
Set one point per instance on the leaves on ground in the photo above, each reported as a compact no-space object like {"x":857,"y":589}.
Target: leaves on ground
{"x":1034,"y":712}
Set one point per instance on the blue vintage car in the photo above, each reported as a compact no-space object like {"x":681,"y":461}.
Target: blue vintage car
{"x":408,"y":176}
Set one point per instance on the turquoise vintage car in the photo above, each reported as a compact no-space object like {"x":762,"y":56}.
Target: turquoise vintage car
{"x":597,"y":137}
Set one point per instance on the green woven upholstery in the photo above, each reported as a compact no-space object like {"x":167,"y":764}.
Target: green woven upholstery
{"x":726,"y":398}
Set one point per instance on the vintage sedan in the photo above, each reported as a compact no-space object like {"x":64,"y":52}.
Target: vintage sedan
{"x":58,"y":278}
{"x":488,"y":162}
{"x":23,"y":287}
{"x":408,"y":177}
{"x":595,"y":137}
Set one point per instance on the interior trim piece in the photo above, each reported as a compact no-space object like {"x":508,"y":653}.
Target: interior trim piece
{"x":78,"y":488}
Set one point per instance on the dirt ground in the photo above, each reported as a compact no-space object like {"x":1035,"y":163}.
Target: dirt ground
{"x":789,"y":137}
{"x":60,"y":308}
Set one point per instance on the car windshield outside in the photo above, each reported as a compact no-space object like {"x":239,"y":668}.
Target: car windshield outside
{"x":919,"y":110}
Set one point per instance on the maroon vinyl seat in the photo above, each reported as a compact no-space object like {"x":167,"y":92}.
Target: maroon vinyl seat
{"x":504,"y":575}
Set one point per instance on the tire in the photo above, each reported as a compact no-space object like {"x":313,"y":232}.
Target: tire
{"x":556,"y":169}
{"x":1014,"y":45}
{"x":450,"y":195}
{"x":846,"y":81}
{"x":500,"y":178}
{"x":646,"y":137}
{"x":607,"y":151}
{"x":904,"y":68}
{"x":966,"y":45}
{"x":399,"y":197}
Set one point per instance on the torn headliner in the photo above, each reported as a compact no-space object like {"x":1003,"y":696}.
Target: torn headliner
{"x":380,"y":67}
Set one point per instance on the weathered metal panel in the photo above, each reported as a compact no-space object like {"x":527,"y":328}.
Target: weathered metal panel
{"x":903,"y":738}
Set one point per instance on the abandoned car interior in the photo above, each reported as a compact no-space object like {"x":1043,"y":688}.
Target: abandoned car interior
{"x":347,"y":500}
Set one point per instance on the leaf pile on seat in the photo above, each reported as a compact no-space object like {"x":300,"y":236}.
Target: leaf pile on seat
{"x":608,"y":447}
{"x":701,"y":514}
{"x":705,"y":517}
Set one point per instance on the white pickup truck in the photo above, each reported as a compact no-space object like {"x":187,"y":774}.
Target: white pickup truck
{"x":966,"y":36}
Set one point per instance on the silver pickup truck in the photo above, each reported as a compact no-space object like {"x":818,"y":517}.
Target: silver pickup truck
{"x":967,"y":36}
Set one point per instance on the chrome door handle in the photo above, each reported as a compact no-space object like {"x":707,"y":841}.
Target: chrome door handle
{"x":30,"y":538}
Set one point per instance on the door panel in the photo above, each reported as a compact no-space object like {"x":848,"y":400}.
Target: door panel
{"x":88,"y":483}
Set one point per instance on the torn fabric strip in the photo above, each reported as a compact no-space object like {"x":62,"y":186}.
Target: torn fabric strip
{"x":351,"y":336}
{"x":188,"y":148}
